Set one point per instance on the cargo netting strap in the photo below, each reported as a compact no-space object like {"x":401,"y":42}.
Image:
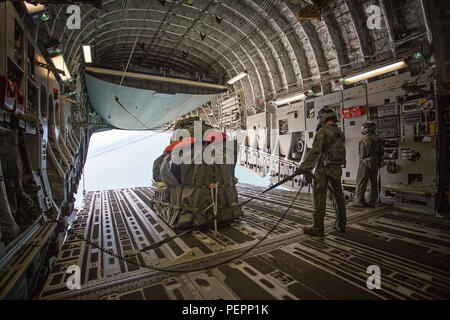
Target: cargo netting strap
{"x":160,"y":243}
{"x":214,"y":187}
{"x":214,"y":205}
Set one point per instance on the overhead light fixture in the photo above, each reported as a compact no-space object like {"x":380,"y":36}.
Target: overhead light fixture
{"x":376,"y":72}
{"x":54,"y":50}
{"x":53,"y":47}
{"x":339,"y":81}
{"x":310,"y":93}
{"x":87,"y":53}
{"x":33,"y":8}
{"x":287,"y":100}
{"x":45,"y":16}
{"x":417,"y":55}
{"x":70,"y":93}
{"x":238,"y":77}
{"x":59,"y":63}
{"x":37,"y":12}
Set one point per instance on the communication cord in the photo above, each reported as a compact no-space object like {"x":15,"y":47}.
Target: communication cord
{"x":175,"y":269}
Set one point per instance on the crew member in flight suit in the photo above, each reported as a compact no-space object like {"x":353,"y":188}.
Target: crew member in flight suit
{"x":327,"y":156}
{"x":370,"y":158}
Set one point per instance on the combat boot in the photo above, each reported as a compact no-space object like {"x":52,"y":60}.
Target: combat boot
{"x":370,"y":205}
{"x":336,"y":227}
{"x":311,"y":231}
{"x":357,"y":204}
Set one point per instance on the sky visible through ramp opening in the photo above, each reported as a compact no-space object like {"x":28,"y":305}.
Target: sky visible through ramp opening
{"x":120,"y":159}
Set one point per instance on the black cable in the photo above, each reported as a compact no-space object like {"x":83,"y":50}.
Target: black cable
{"x":143,"y":265}
{"x":289,"y":178}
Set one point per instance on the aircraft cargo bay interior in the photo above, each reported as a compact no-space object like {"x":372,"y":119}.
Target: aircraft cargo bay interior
{"x":224,"y":150}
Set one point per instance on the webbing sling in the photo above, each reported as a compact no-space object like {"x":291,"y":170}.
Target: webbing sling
{"x":296,"y":173}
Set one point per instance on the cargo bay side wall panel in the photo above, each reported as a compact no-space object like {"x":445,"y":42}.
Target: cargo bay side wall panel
{"x":406,"y":123}
{"x":41,"y":154}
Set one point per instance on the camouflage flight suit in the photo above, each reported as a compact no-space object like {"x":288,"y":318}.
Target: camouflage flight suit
{"x":326,"y":177}
{"x":369,"y":163}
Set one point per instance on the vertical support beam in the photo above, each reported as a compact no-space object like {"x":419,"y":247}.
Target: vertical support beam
{"x":359,"y":27}
{"x":390,"y":32}
{"x":315,"y":47}
{"x":213,"y":115}
{"x":207,"y":116}
{"x":333,"y":32}
{"x":441,"y":38}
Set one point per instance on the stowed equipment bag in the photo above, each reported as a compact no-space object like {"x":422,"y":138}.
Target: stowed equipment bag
{"x":189,"y":201}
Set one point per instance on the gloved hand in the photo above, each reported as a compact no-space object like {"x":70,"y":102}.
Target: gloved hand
{"x":307,"y":175}
{"x":300,"y":171}
{"x":307,"y":178}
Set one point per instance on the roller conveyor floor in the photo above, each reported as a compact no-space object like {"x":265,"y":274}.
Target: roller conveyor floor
{"x":411,"y":249}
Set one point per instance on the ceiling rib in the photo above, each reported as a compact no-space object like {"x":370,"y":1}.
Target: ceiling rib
{"x":281,"y":53}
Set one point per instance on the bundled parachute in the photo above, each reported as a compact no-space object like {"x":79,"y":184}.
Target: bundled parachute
{"x":196,"y":194}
